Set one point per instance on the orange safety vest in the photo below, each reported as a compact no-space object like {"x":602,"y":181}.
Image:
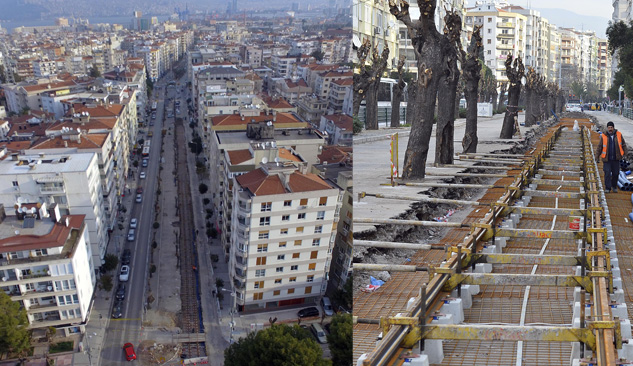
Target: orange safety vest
{"x":605,"y":140}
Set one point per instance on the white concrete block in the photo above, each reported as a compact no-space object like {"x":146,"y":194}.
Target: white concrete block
{"x":500,"y":242}
{"x":361,"y":359}
{"x":515,"y":217}
{"x":472,"y":289}
{"x":410,"y":303}
{"x":617,"y":282}
{"x":489,"y":249}
{"x":613,"y":253}
{"x":455,"y":308}
{"x":619,"y":310}
{"x":627,"y":350}
{"x":483,"y":268}
{"x":421,"y":360}
{"x":617,"y":296}
{"x":576,"y":312}
{"x":467,"y":299}
{"x":508,"y":224}
{"x":616,"y":272}
{"x":615,"y":262}
{"x":434,"y":350}
{"x":625,"y":328}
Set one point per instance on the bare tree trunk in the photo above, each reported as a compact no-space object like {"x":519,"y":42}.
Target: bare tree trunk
{"x":412,"y":107}
{"x":360,"y":87}
{"x":427,"y":45}
{"x":515,"y":73}
{"x":502,"y":93}
{"x":371,"y":107}
{"x":398,"y":89}
{"x":494,"y":101}
{"x":471,"y":69}
{"x":530,"y":91}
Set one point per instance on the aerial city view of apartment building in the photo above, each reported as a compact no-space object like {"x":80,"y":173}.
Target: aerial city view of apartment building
{"x":172,"y":182}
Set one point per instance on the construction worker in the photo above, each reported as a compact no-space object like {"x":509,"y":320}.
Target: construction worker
{"x":611,"y":149}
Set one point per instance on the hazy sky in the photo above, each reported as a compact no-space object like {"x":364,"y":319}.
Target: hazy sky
{"x":601,"y":8}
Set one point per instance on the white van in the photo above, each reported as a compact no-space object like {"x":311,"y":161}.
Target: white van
{"x":318,"y":332}
{"x":327,"y":306}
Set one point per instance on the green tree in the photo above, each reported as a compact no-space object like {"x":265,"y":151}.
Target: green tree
{"x":94,"y":72}
{"x":203,"y":188}
{"x":15,"y":338}
{"x":318,"y":55}
{"x":111,"y":261}
{"x":150,"y":86}
{"x":340,"y":339}
{"x":577,"y":89}
{"x":279,"y":345}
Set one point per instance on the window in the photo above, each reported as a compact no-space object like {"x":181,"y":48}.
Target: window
{"x":260,"y":272}
{"x":41,"y":252}
{"x":308,"y":290}
{"x":322,"y":201}
{"x":321,"y":215}
{"x":300,"y":229}
{"x":311,"y":266}
{"x":301,"y":216}
{"x":489,"y":41}
{"x":279,"y":269}
{"x":291,"y":291}
{"x":283,"y":231}
{"x":261,"y":261}
{"x":264,"y":221}
{"x":287,"y":203}
{"x":295,"y":255}
{"x":489,"y":20}
{"x":489,"y":30}
{"x":316,"y":242}
{"x":263,"y":235}
{"x":292,"y":279}
{"x":303,"y":202}
{"x":276,"y":292}
{"x":258,"y":296}
{"x":281,"y":257}
{"x":259,"y":284}
{"x":282,"y":244}
{"x":297,"y":242}
{"x":278,"y":281}
{"x":262,"y":248}
{"x":15,"y":183}
{"x":267,"y":206}
{"x":285,"y":218}
{"x":318,"y":229}
{"x":310,"y":279}
{"x":294,"y":268}
{"x":489,"y":52}
{"x":314,"y":254}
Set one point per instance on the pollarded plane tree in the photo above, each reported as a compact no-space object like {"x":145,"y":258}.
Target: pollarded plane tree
{"x":531,"y":79}
{"x":447,"y":91}
{"x":541,"y":98}
{"x":550,"y":103}
{"x":503,"y":88}
{"x":397,"y":92}
{"x":366,"y":83}
{"x":515,"y":72}
{"x":471,"y":71}
{"x":428,"y":46}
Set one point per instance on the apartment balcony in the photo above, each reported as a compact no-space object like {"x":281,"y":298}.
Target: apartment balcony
{"x":52,"y":190}
{"x":505,"y":25}
{"x":239,"y":285}
{"x":502,"y":46}
{"x":506,"y":35}
{"x":35,"y":308}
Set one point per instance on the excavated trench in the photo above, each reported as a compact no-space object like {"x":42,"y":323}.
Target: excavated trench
{"x":428,"y":211}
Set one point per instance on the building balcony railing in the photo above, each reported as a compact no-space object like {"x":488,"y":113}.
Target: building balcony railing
{"x":506,"y":35}
{"x":52,"y":190}
{"x":502,"y":46}
{"x":505,"y":25}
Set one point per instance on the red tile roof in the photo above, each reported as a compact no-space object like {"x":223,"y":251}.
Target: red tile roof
{"x":342,"y":121}
{"x":239,"y":156}
{"x":55,"y":238}
{"x":261,"y":184}
{"x":88,"y":141}
{"x":335,"y":154}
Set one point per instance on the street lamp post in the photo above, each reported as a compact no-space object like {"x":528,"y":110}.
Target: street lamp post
{"x":234,"y":295}
{"x":620,"y":90}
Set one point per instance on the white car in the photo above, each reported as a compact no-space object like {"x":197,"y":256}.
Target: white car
{"x":573,"y":107}
{"x":142,"y":175}
{"x":133,"y":223}
{"x":125,"y":274}
{"x":131,"y":235}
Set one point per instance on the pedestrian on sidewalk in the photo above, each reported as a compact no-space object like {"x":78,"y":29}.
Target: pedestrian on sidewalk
{"x":611,"y":149}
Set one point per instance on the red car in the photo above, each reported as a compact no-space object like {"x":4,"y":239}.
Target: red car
{"x":139,"y":190}
{"x":129,"y":351}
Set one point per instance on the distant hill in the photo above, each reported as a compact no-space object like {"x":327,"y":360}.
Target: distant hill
{"x":567,"y":19}
{"x":18,"y":10}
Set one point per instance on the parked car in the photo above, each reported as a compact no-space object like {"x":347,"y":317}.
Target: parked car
{"x":318,"y":332}
{"x":327,"y":306}
{"x":142,"y":176}
{"x":133,"y":223}
{"x":139,"y":198}
{"x":129,"y":351}
{"x":304,"y":313}
{"x":139,"y":190}
{"x":572,"y":107}
{"x":131,"y":235}
{"x":124,"y":275}
{"x":120,"y":292}
{"x":144,"y":163}
{"x":127,"y":256}
{"x":117,"y":310}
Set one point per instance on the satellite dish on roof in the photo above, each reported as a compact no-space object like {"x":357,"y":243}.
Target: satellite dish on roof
{"x":32,"y":210}
{"x":269,"y":123}
{"x":264,"y":160}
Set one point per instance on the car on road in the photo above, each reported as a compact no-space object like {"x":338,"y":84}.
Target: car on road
{"x":120,"y":292}
{"x":133,"y":223}
{"x":139,"y":198}
{"x":124,"y":275}
{"x":142,"y":176}
{"x":144,"y":164}
{"x":129,"y":351}
{"x":117,"y":310}
{"x":572,"y":107}
{"x":139,"y":190}
{"x":131,"y":235}
{"x":151,"y":123}
{"x":126,"y":257}
{"x":327,"y":306}
{"x":308,"y":312}
{"x":318,"y":332}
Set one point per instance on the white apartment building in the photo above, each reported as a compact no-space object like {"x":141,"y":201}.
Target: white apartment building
{"x":372,"y":20}
{"x":537,"y":39}
{"x":71,"y":182}
{"x":284,"y":227}
{"x":46,"y":267}
{"x":503,"y":33}
{"x":45,"y":67}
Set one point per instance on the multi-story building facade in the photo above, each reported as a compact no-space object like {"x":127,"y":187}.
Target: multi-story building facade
{"x":372,"y":20}
{"x":47,"y":266}
{"x":72,"y":182}
{"x":284,"y":228}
